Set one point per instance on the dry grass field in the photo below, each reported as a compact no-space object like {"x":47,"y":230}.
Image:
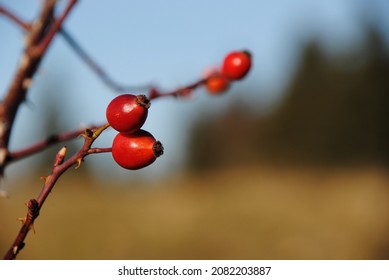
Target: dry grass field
{"x":245,"y":213}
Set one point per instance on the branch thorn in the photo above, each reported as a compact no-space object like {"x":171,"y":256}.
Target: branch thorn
{"x":23,"y":220}
{"x":45,"y":178}
{"x":79,"y":161}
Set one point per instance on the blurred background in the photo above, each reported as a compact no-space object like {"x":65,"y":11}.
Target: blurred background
{"x":291,"y":163}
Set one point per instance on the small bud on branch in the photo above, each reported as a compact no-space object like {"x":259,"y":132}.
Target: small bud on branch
{"x":59,"y":158}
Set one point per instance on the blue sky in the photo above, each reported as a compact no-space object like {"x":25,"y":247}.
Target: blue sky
{"x":170,"y":43}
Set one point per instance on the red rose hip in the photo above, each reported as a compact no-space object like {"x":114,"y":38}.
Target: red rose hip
{"x":137,"y":150}
{"x":236,"y":65}
{"x":216,"y":83}
{"x":127,"y":113}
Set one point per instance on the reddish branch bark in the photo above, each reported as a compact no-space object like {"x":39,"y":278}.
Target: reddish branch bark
{"x":180,"y":92}
{"x":45,"y":143}
{"x":59,"y":167}
{"x":14,"y":18}
{"x":39,"y":36}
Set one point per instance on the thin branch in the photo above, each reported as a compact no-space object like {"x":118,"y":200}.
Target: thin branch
{"x":99,"y":150}
{"x":54,"y":28}
{"x":59,"y":167}
{"x":45,"y":143}
{"x":13,"y":17}
{"x":180,"y":92}
{"x":98,"y":70}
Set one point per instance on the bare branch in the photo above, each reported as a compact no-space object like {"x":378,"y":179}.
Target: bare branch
{"x":83,"y":55}
{"x":13,"y":17}
{"x":55,"y":27}
{"x":38,"y":39}
{"x":98,"y":70}
{"x":60,"y":165}
{"x":180,"y":92}
{"x":45,"y":143}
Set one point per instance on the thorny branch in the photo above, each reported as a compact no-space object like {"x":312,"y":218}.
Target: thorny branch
{"x":38,"y":38}
{"x":43,"y":144}
{"x":40,"y":35}
{"x":59,"y":167}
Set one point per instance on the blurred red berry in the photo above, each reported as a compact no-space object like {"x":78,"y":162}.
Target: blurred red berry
{"x":216,"y":83}
{"x":127,"y":113}
{"x":137,"y":150}
{"x":236,"y":65}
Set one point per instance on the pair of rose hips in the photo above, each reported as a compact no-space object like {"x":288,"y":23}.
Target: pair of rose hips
{"x":235,"y":67}
{"x":132,"y":148}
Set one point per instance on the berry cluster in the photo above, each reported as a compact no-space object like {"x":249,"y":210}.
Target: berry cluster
{"x":235,"y":67}
{"x":132,"y":148}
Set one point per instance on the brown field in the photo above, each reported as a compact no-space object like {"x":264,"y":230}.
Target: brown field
{"x":247,"y":213}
